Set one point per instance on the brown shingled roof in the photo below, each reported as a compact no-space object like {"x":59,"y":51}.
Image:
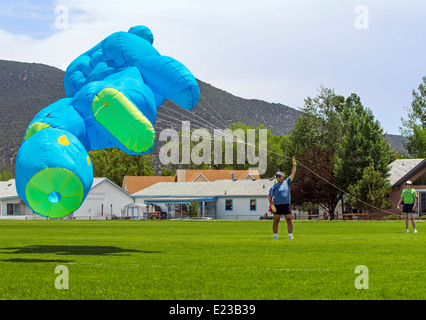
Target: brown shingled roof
{"x":134,"y":184}
{"x":213,"y":175}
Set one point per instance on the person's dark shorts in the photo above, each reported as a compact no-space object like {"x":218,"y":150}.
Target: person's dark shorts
{"x":407,"y":208}
{"x":283,"y":209}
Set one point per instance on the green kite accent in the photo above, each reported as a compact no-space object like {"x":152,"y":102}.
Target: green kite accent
{"x":54,"y":192}
{"x":125,"y":122}
{"x":34,"y":128}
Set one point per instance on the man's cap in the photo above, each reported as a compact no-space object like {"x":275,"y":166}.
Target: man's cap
{"x":279,"y":173}
{"x":408,"y":182}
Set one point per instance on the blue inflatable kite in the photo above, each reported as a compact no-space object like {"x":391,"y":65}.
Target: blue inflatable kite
{"x":113,"y":92}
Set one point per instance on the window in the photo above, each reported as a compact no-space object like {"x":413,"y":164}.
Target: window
{"x":210,"y":209}
{"x":228,"y":205}
{"x":13,"y":209}
{"x":421,"y":181}
{"x":252,"y":204}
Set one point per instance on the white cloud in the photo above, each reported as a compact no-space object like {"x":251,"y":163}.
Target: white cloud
{"x":278,"y":51}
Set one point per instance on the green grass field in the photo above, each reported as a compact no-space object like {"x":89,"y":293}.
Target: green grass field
{"x":211,"y":260}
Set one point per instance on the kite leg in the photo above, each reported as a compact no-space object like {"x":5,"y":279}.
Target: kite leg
{"x":122,"y":111}
{"x":53,"y":173}
{"x":122,"y":122}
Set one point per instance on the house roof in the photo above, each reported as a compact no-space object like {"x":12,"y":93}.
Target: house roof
{"x":219,"y":188}
{"x":213,"y":175}
{"x":402,"y":170}
{"x":98,"y":181}
{"x":135,"y":184}
{"x":8,"y":188}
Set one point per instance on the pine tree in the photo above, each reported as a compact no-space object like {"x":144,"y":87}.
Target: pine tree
{"x":414,"y":127}
{"x":363,"y":144}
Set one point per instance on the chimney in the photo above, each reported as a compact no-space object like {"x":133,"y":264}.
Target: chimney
{"x":180,"y":175}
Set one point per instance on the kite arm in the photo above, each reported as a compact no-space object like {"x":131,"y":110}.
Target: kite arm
{"x":79,"y":70}
{"x":169,"y":78}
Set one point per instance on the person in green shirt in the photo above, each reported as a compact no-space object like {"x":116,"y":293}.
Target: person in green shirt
{"x":409,"y":200}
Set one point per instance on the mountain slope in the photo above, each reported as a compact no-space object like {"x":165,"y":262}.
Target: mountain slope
{"x":26,"y":88}
{"x":217,"y":109}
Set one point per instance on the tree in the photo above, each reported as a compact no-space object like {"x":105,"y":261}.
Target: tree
{"x":320,"y":124}
{"x":416,"y":145}
{"x":272,"y":151}
{"x":268,"y":155}
{"x":395,"y":155}
{"x":362,"y":144}
{"x":193,"y":209}
{"x":166,"y":172}
{"x":347,"y":130}
{"x":323,"y":123}
{"x":6,"y":175}
{"x":414,"y":127}
{"x":371,"y":191}
{"x":275,"y":153}
{"x":315,"y":180}
{"x":115,"y":164}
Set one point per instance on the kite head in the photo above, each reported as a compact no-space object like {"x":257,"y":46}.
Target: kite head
{"x":142,"y":32}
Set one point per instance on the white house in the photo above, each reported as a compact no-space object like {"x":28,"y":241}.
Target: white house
{"x":10,"y":204}
{"x":221,"y":199}
{"x":104,"y":201}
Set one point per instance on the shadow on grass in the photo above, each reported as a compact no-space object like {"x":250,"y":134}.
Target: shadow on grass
{"x":19,"y":260}
{"x":69,"y":251}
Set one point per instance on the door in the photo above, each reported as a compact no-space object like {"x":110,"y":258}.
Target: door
{"x":422,"y":202}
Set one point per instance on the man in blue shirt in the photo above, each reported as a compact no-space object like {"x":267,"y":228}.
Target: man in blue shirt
{"x":279,"y":199}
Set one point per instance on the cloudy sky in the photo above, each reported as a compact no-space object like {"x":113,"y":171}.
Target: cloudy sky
{"x":274,"y":50}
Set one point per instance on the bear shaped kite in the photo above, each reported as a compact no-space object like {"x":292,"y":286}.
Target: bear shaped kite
{"x":113,"y":92}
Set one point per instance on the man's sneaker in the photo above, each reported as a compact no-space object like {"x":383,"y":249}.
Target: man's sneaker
{"x":415,"y":231}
